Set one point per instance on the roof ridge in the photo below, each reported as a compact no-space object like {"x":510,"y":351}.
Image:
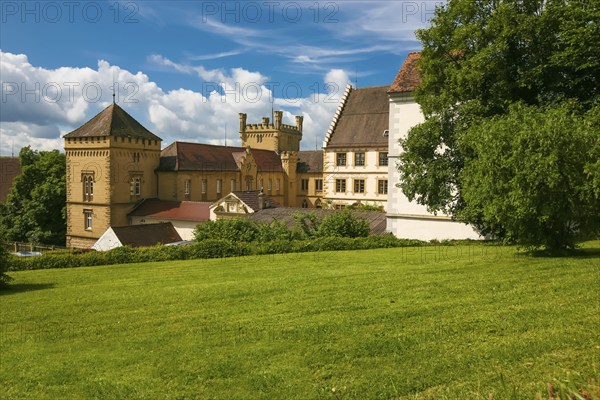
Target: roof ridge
{"x":337,"y":114}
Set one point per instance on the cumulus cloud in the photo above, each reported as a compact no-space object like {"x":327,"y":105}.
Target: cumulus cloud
{"x":40,"y":105}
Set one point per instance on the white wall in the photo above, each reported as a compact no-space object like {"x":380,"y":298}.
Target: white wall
{"x":407,"y":219}
{"x":107,"y":241}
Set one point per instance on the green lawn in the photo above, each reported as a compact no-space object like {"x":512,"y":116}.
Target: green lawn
{"x":468,"y":322}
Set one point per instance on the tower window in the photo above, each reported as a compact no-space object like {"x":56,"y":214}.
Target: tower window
{"x":88,"y":187}
{"x":135,"y":186}
{"x":87,"y":219}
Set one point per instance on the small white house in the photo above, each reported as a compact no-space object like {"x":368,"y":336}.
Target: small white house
{"x":407,"y":219}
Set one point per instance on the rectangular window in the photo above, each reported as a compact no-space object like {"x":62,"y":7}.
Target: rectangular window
{"x":233,"y":185}
{"x":340,"y":159}
{"x":249,"y":183}
{"x":187,"y":187}
{"x":340,"y":186}
{"x":219,"y":186}
{"x":359,"y":186}
{"x":319,"y":185}
{"x":304,"y":184}
{"x":382,"y":186}
{"x":204,"y":186}
{"x":359,"y":159}
{"x":270,"y":185}
{"x":87,"y":216}
{"x":278,"y":185}
{"x":383,"y":159}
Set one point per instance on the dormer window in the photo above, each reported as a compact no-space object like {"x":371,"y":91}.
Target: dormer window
{"x":386,"y":133}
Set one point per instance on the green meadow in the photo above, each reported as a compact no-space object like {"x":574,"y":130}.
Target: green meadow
{"x":436,"y":322}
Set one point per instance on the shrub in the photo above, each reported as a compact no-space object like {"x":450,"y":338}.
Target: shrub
{"x":4,"y":279}
{"x":307,"y":225}
{"x":343,"y":224}
{"x":234,"y":230}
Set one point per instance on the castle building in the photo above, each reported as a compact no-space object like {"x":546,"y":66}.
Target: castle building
{"x":114,"y":164}
{"x":355,"y":168}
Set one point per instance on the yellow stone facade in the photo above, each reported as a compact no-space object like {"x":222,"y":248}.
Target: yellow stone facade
{"x":111,"y":169}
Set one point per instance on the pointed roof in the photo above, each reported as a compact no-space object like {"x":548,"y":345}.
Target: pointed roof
{"x":408,"y":77}
{"x":362,"y":120}
{"x":113,"y":121}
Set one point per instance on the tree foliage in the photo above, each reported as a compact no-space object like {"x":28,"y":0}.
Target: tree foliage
{"x":35,"y":210}
{"x":343,"y":224}
{"x":527,"y":175}
{"x":479,"y":58}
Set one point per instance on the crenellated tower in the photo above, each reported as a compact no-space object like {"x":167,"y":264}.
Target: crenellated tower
{"x":275,"y":136}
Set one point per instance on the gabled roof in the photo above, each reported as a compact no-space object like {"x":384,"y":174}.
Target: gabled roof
{"x":250,"y":198}
{"x":375,"y":219}
{"x":363,"y":119}
{"x":408,"y":77}
{"x":310,"y":161}
{"x":184,"y":156}
{"x":113,"y":121}
{"x":146,"y":234}
{"x":175,"y":210}
{"x":10,"y":168}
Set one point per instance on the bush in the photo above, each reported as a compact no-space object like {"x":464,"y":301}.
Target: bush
{"x":211,"y":248}
{"x":234,"y":230}
{"x":343,"y":224}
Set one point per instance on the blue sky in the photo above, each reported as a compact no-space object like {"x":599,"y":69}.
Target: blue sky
{"x":185,"y":69}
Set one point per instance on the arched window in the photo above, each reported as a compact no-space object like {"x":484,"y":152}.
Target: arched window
{"x":88,"y":187}
{"x":304,"y":204}
{"x":318,"y":204}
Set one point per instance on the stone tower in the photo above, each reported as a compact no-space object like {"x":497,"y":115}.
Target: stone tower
{"x":275,"y":136}
{"x":111,"y":161}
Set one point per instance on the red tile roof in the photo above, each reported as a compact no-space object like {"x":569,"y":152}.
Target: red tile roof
{"x":175,"y":210}
{"x":184,"y":156}
{"x":113,"y":121}
{"x":408,"y":77}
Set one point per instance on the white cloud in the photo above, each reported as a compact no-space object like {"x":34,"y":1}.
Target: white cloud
{"x":180,"y":114}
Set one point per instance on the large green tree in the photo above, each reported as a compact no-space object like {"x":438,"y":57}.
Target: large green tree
{"x":479,"y":58}
{"x":35,"y":210}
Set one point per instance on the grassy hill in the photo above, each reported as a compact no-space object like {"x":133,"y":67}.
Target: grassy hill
{"x":463,"y":322}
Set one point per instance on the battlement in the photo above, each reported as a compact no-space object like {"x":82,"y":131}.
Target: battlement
{"x":266,"y":125}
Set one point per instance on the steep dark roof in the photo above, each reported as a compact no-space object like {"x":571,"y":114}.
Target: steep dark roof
{"x":364,"y":118}
{"x":10,"y":168}
{"x":310,"y":161}
{"x":408,"y":77}
{"x":250,"y":198}
{"x":376,"y":220}
{"x":176,"y":210}
{"x":113,"y":121}
{"x":184,"y":156}
{"x":147,"y":234}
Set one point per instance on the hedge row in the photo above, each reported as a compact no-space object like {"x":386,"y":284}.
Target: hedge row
{"x":211,"y":248}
